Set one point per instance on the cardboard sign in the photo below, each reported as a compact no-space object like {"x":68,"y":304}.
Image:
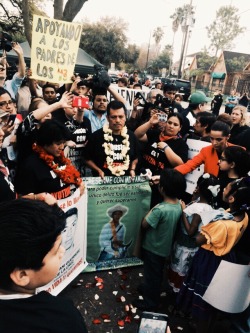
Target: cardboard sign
{"x":54,"y":49}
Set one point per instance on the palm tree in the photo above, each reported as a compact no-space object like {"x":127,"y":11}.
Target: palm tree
{"x":158,"y":34}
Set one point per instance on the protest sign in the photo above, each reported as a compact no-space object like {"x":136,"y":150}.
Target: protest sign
{"x":54,"y":49}
{"x":74,"y":240}
{"x":194,"y":147}
{"x":110,"y":242}
{"x":229,"y":289}
{"x":128,"y":95}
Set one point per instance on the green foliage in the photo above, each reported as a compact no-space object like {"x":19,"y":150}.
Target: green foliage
{"x":158,"y":34}
{"x":237,"y":63}
{"x":106,"y":41}
{"x":204,"y":60}
{"x":11,"y":17}
{"x":162,"y":61}
{"x":196,"y":72}
{"x":224,"y":29}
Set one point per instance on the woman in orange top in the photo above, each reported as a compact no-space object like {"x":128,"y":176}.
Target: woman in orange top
{"x":210,"y":155}
{"x":217,"y":240}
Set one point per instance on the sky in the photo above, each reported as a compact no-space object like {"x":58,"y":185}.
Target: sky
{"x":144,"y":16}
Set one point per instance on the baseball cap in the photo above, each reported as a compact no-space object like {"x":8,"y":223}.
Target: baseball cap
{"x":198,"y":98}
{"x":3,"y":113}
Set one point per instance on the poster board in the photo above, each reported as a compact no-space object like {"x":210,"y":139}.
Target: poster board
{"x":129,"y":95}
{"x":229,"y":289}
{"x":194,"y":147}
{"x":54,"y":49}
{"x":74,"y":240}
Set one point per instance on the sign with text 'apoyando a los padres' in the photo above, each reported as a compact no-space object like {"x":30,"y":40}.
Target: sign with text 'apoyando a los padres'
{"x":54,"y":49}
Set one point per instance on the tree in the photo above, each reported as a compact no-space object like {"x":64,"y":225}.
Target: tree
{"x":224,"y":29}
{"x":204,"y":63}
{"x":162,"y":61}
{"x":105,"y":40}
{"x":237,"y":63}
{"x":19,"y":17}
{"x":158,"y":34}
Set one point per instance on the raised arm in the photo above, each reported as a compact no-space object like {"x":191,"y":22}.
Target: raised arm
{"x":116,"y":95}
{"x":21,"y":63}
{"x":64,"y":102}
{"x":141,"y":131}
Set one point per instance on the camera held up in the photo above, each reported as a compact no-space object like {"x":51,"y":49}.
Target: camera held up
{"x":5,"y":41}
{"x":99,"y":81}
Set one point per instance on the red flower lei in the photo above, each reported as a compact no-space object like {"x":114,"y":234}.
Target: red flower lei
{"x":68,"y":175}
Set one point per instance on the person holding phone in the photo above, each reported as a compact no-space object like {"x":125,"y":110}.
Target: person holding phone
{"x":80,"y":128}
{"x":164,"y":147}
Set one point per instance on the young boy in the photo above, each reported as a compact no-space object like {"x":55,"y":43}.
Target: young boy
{"x":160,"y":225}
{"x":30,"y":257}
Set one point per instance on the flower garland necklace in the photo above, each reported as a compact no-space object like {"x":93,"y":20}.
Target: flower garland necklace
{"x":67,"y":172}
{"x":117,"y":169}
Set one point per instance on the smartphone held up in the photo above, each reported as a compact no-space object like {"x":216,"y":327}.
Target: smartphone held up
{"x":81,"y":102}
{"x":152,"y":322}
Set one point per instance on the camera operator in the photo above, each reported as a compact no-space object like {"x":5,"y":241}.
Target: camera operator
{"x":169,"y":91}
{"x":141,"y":113}
{"x":14,"y":84}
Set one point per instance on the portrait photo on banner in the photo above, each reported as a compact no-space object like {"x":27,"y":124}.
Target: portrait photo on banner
{"x":115,"y":212}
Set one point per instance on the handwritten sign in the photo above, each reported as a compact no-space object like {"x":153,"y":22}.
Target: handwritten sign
{"x":54,"y":49}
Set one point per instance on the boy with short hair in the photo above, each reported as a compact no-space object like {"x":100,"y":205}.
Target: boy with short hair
{"x":160,"y":225}
{"x":30,"y":257}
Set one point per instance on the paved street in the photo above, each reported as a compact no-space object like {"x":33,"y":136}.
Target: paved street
{"x":104,"y":299}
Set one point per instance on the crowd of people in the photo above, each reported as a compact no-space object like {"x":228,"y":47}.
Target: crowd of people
{"x":48,"y":145}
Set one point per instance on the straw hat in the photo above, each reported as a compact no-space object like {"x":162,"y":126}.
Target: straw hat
{"x":118,"y":208}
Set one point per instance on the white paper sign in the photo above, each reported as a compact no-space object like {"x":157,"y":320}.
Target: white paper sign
{"x":229,"y":289}
{"x":74,"y":240}
{"x":194,"y":147}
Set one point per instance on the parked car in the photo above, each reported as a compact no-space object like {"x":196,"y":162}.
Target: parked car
{"x":113,"y":78}
{"x":183,"y":87}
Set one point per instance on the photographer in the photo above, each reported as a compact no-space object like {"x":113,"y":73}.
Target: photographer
{"x":164,"y":148}
{"x":169,"y":91}
{"x":73,"y":117}
{"x":141,"y":113}
{"x":14,"y":84}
